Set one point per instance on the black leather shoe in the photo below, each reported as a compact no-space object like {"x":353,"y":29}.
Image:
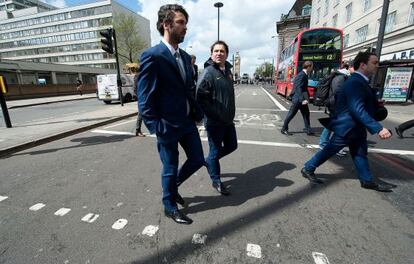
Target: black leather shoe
{"x":310,"y":133}
{"x":220,"y":188}
{"x":377,"y":186}
{"x":398,"y":131}
{"x":392,"y":186}
{"x":179,"y":200}
{"x":285,"y":132}
{"x":310,"y":176}
{"x":178,"y":217}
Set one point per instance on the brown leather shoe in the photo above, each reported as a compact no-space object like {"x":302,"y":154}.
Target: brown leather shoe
{"x":138,"y":133}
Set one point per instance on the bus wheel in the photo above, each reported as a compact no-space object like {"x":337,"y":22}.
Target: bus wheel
{"x":107,"y":101}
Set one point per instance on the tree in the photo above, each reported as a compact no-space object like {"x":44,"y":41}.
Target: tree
{"x":264,"y":70}
{"x":129,"y":42}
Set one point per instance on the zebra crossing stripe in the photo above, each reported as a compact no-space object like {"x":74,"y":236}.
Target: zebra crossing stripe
{"x":2,"y":198}
{"x":37,"y":207}
{"x":62,"y":211}
{"x":320,"y":258}
{"x":90,"y":218}
{"x":119,"y":224}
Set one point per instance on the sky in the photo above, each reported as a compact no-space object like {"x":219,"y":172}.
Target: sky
{"x":247,"y":26}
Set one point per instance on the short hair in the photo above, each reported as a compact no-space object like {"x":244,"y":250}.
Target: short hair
{"x":166,"y":14}
{"x":220,"y":42}
{"x":193,"y":56}
{"x":362,"y":57}
{"x":307,"y":64}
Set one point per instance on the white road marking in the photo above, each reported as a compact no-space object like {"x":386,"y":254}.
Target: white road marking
{"x":62,"y":211}
{"x":274,"y":100}
{"x":119,"y":224}
{"x":2,"y":198}
{"x":150,"y":230}
{"x":120,"y":124}
{"x":37,"y":206}
{"x":112,"y":132}
{"x":254,"y":93}
{"x":320,"y":258}
{"x":199,"y":239}
{"x":254,"y":251}
{"x":277,"y":144}
{"x":90,"y":218}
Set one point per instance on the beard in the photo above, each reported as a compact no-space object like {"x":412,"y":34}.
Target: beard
{"x":177,"y":37}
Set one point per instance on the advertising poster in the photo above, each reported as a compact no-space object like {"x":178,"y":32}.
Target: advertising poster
{"x":397,"y":82}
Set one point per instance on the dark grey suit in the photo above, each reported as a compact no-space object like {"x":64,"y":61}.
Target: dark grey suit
{"x":299,"y":94}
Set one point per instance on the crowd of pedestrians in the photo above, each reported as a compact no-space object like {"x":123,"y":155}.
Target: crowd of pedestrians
{"x":172,"y":99}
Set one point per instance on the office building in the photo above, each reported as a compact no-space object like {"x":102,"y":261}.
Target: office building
{"x":360,"y":21}
{"x":32,"y":31}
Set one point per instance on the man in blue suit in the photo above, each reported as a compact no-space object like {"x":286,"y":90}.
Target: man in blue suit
{"x":355,"y":106}
{"x":168,"y":108}
{"x":300,"y":99}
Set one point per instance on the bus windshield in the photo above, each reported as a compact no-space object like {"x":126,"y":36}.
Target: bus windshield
{"x":321,"y":39}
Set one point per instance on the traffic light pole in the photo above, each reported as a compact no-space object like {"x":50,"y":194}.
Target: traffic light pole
{"x":118,"y":79}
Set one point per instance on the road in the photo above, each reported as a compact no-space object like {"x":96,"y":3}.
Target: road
{"x":95,"y":198}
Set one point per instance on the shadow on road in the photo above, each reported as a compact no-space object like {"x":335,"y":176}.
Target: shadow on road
{"x":243,"y":187}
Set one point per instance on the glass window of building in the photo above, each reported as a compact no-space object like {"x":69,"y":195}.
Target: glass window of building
{"x":306,"y":10}
{"x":411,"y":16}
{"x":348,"y":9}
{"x":318,"y":13}
{"x":326,"y":7}
{"x":335,"y":20}
{"x":366,"y":4}
{"x":362,"y":34}
{"x":389,"y":26}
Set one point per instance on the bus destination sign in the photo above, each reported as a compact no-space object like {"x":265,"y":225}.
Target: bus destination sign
{"x":318,"y":57}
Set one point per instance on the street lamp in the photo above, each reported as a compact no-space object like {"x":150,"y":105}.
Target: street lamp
{"x":218,"y":5}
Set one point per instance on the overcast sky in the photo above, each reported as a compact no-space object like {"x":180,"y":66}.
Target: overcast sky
{"x":246,"y":25}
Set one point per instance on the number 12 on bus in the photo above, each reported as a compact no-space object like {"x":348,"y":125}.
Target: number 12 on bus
{"x":322,"y":46}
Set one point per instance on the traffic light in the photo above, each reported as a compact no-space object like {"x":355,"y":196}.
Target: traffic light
{"x":107,"y":44}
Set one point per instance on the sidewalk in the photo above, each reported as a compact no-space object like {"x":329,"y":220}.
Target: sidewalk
{"x":31,"y":134}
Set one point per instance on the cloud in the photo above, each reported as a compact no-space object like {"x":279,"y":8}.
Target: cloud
{"x":247,"y":26}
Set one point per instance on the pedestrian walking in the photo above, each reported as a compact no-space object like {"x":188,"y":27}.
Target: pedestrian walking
{"x":404,"y":126}
{"x":215,"y":94}
{"x":79,"y":85}
{"x":335,"y":85}
{"x":168,"y":108}
{"x":300,"y":99}
{"x":138,"y":131}
{"x":355,"y":106}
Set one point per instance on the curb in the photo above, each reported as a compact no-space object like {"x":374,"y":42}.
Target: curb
{"x":50,"y":102}
{"x":6,"y":152}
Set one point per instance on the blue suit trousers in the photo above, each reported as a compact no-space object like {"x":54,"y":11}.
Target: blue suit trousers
{"x":171,"y":176}
{"x":358,"y":148}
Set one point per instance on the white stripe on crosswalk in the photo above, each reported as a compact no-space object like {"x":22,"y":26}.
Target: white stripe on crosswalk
{"x":2,"y":198}
{"x":90,"y":218}
{"x":62,"y":211}
{"x":119,"y":224}
{"x":37,"y":207}
{"x":274,"y":144}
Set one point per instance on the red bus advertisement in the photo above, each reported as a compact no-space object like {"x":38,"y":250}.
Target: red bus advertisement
{"x":322,"y":46}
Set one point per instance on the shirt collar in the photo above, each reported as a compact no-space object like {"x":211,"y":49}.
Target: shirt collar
{"x":363,"y":76}
{"x":171,"y":48}
{"x":305,"y":71}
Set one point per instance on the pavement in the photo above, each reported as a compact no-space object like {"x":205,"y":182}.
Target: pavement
{"x":29,"y":135}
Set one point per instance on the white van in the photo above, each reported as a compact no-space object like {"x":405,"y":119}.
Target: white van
{"x":107,"y":89}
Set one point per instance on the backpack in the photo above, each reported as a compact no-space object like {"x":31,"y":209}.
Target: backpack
{"x":324,"y":95}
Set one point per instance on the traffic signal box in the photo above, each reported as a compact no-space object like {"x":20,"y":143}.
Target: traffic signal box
{"x":106,"y":41}
{"x":3,"y":85}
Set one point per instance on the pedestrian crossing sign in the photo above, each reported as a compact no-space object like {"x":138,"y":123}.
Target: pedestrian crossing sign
{"x":3,"y":85}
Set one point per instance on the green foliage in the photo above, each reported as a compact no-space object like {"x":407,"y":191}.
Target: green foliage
{"x":130,"y":43}
{"x":264,"y":70}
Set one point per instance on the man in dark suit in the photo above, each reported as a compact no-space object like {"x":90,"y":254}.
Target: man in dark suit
{"x":168,"y":108}
{"x":300,"y":99}
{"x":355,"y":106}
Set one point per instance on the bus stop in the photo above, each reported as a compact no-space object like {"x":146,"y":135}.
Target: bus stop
{"x":395,"y":79}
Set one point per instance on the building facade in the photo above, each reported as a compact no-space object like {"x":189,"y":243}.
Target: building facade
{"x":67,"y":36}
{"x":296,"y":20}
{"x":360,"y":22}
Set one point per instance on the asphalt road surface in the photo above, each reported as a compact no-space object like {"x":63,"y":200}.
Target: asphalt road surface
{"x":96,"y":198}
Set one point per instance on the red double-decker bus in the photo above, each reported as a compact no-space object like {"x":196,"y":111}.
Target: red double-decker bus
{"x":322,"y":46}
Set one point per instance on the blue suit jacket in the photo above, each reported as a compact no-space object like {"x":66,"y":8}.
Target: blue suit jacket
{"x":355,"y":105}
{"x":163,"y":94}
{"x":300,"y":88}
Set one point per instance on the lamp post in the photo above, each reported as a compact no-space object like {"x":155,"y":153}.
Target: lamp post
{"x":218,"y":5}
